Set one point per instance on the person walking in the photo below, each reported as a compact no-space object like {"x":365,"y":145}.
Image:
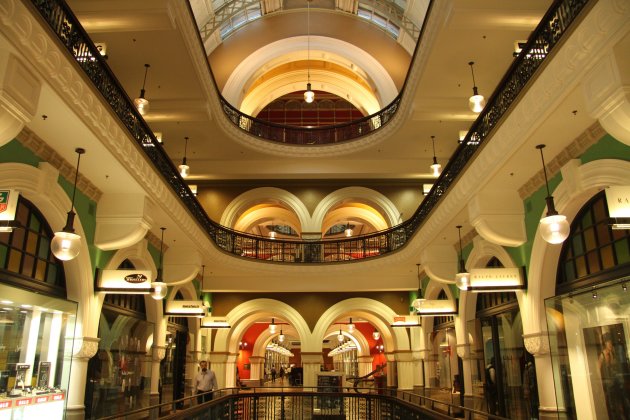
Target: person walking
{"x":205,"y":382}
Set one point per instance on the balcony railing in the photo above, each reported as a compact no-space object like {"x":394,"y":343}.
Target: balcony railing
{"x":310,"y":136}
{"x":307,"y":404}
{"x":552,"y":27}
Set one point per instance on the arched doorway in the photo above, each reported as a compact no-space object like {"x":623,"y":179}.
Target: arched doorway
{"x":173,"y":366}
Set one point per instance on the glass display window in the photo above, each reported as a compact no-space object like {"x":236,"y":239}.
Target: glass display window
{"x":36,"y":340}
{"x":589,"y":336}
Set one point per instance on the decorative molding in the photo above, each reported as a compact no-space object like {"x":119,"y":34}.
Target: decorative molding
{"x":537,"y":344}
{"x":463,"y":351}
{"x":89,"y":347}
{"x":574,"y":150}
{"x":180,"y":14}
{"x":35,"y":144}
{"x":159,"y":353}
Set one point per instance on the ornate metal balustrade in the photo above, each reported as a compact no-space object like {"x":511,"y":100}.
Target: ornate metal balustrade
{"x":552,"y":27}
{"x":309,"y":136}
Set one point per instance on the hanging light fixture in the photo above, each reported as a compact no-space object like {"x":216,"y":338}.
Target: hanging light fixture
{"x":159,"y":287}
{"x":340,"y":337}
{"x":309,"y":95}
{"x":141,"y":104}
{"x":350,"y":326}
{"x":273,"y":327}
{"x":435,"y":166}
{"x":554,"y":228}
{"x":376,"y":335}
{"x":476,"y":102}
{"x":281,"y":336}
{"x":184,"y":169}
{"x":66,"y":244}
{"x":462,"y":278}
{"x":417,"y":303}
{"x":348,"y":231}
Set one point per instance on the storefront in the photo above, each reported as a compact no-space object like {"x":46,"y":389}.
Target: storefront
{"x":119,"y":375}
{"x":588,"y":318}
{"x":444,"y":367}
{"x":173,"y":366}
{"x":37,"y":323}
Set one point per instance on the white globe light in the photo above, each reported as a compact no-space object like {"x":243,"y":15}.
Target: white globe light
{"x":184,"y":170}
{"x":65,"y":245}
{"x":462,"y":280}
{"x":160,"y":290}
{"x":272,"y":328}
{"x":417,"y":304}
{"x":476,"y":103}
{"x":436,"y":168}
{"x":376,"y":335}
{"x":554,"y":229}
{"x":142,"y":105}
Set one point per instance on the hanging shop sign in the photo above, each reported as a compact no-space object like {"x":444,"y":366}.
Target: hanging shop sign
{"x":406,"y":321}
{"x":186,"y":308}
{"x":123,"y":281}
{"x":497,"y":279}
{"x":214,"y":322}
{"x":618,"y":200}
{"x":436,"y":307}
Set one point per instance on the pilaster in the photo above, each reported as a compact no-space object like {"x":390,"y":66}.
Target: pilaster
{"x":538,"y":345}
{"x":311,"y":363}
{"x":75,"y":408}
{"x":405,"y":369}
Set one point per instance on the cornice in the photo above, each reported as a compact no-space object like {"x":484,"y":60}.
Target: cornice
{"x":35,"y":144}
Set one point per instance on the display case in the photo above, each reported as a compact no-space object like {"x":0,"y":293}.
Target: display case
{"x":36,"y":340}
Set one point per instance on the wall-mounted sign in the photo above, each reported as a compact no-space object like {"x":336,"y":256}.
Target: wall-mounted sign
{"x":406,"y":321}
{"x":618,"y":200}
{"x":8,"y":203}
{"x":124,"y":281}
{"x":433,"y":307}
{"x":185,"y":308}
{"x":214,"y":322}
{"x":496,"y":279}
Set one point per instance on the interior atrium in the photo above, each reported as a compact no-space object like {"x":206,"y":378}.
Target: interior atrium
{"x":428,"y":197}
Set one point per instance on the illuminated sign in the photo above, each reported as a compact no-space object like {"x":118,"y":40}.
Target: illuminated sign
{"x":496,"y":279}
{"x":124,"y":281}
{"x":185,"y":308}
{"x":8,"y":203}
{"x":618,"y":200}
{"x":214,"y":322}
{"x":406,"y":321}
{"x":433,"y":307}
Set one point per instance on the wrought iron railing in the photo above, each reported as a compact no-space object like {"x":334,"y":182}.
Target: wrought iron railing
{"x":307,"y":403}
{"x":310,"y":136}
{"x":543,"y":40}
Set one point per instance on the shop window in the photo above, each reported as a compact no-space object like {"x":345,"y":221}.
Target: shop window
{"x":25,"y":255}
{"x":593,"y":246}
{"x":119,"y":379}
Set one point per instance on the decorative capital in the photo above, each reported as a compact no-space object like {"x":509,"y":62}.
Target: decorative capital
{"x":463,"y":351}
{"x":537,"y":343}
{"x":159,"y":352}
{"x":88,"y":347}
{"x":424,"y":354}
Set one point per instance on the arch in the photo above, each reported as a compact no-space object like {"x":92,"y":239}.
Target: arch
{"x":264,"y":195}
{"x":40,"y":186}
{"x":243,"y":315}
{"x":377,"y":313}
{"x":296,"y":49}
{"x":141,"y":258}
{"x":267,"y":214}
{"x":366,"y":195}
{"x":579,"y":184}
{"x":363,"y":347}
{"x":482,"y":252}
{"x":189,"y":292}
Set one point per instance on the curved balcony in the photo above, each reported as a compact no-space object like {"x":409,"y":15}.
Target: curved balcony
{"x":310,"y":136}
{"x":552,"y":27}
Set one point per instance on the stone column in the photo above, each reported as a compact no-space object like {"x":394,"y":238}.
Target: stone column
{"x":392,"y":380}
{"x":404,"y":367}
{"x":218,"y":362}
{"x":538,"y":345}
{"x":418,"y":374}
{"x":311,"y":363}
{"x":256,"y":372}
{"x":75,"y":408}
{"x":158,"y":354}
{"x":365,"y":365}
{"x":463,"y":351}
